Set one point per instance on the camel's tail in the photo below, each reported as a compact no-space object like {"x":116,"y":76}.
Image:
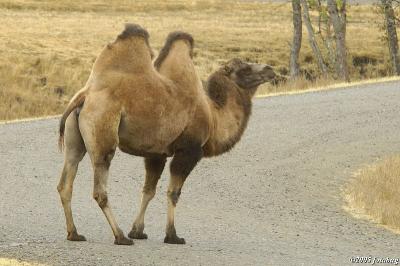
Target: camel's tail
{"x":76,"y":101}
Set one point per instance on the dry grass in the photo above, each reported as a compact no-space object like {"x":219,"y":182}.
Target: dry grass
{"x":374,"y":193}
{"x":47,"y":47}
{"x":13,"y":262}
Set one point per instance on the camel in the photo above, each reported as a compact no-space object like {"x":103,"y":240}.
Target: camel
{"x":154,"y":112}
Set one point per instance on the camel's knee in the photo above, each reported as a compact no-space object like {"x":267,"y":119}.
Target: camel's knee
{"x":174,"y":195}
{"x":101,"y":198}
{"x":68,"y":173}
{"x":65,"y":193}
{"x":149,"y":192}
{"x":108,"y":157}
{"x":74,"y":157}
{"x":103,"y":160}
{"x":60,"y":188}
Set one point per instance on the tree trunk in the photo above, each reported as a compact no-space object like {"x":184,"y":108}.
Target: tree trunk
{"x":311,"y":38}
{"x":391,"y":33}
{"x":325,"y":25}
{"x":339,"y":26}
{"x":297,"y":36}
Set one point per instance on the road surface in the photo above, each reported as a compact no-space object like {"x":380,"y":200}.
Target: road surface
{"x":274,"y":200}
{"x":351,"y":2}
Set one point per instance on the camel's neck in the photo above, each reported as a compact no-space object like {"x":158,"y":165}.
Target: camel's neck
{"x":230,"y":117}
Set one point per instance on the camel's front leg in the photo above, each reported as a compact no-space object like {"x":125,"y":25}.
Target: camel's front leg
{"x":154,"y":167}
{"x":182,"y":164}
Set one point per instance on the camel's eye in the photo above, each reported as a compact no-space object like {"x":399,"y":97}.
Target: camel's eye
{"x":246,"y":70}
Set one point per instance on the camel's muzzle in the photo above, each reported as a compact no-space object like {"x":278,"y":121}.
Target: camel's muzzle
{"x":261,"y":73}
{"x":266,"y":72}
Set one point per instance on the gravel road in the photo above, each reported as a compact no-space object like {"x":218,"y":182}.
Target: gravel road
{"x":274,"y":200}
{"x":351,"y":2}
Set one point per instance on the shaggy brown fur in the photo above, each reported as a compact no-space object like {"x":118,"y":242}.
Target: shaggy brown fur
{"x":227,"y":97}
{"x":128,"y":104}
{"x":230,"y":90}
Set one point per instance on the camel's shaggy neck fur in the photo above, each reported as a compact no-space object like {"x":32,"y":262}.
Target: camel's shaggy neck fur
{"x":231,"y":109}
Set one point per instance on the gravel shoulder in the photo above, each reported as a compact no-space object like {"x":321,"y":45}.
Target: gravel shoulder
{"x":274,"y":200}
{"x":351,"y":2}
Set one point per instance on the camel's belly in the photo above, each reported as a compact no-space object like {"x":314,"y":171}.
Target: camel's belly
{"x":152,"y":135}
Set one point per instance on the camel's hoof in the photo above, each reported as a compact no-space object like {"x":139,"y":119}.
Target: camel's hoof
{"x":122,"y":240}
{"x":73,"y":236}
{"x":137,"y":235}
{"x":174,"y":240}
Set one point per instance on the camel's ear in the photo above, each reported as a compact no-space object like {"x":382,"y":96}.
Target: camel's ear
{"x":228,"y":69}
{"x":232,"y":65}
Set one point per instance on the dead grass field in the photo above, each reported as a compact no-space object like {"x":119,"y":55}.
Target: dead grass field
{"x":14,"y":262}
{"x":373,"y":193}
{"x":47,"y":47}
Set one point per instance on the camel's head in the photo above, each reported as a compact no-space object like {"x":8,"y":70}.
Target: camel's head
{"x":237,"y":76}
{"x":248,"y":76}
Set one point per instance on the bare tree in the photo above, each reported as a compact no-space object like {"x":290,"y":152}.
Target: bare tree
{"x":311,"y":38}
{"x":338,"y":17}
{"x":391,"y":33}
{"x":325,"y":32}
{"x":297,"y":36}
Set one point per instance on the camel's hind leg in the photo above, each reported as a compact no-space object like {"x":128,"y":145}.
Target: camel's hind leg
{"x":100,"y":133}
{"x":101,"y":169}
{"x":74,"y":152}
{"x":154,"y":167}
{"x":182,"y":164}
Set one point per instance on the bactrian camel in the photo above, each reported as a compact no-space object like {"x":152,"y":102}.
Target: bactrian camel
{"x":154,"y":112}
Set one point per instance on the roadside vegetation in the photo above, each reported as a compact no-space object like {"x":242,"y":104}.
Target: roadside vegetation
{"x":373,"y":193}
{"x":47,"y":47}
{"x":14,"y":262}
